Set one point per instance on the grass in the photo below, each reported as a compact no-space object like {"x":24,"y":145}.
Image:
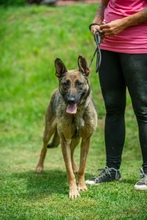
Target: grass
{"x":30,"y":40}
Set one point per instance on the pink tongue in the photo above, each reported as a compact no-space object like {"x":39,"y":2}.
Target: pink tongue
{"x":72,"y":109}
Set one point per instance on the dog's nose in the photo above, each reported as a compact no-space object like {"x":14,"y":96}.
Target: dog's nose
{"x":71,"y":100}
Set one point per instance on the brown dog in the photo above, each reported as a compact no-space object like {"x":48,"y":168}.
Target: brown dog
{"x":71,"y":115}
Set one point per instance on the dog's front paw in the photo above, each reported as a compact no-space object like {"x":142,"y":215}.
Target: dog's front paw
{"x":73,"y":192}
{"x":39,"y":169}
{"x":82,"y":187}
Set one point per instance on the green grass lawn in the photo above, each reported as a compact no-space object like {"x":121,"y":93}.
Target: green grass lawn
{"x":30,"y":40}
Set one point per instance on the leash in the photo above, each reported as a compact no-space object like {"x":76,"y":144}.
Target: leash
{"x":97,"y":52}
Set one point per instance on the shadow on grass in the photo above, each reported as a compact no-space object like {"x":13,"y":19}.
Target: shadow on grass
{"x":42,"y":185}
{"x":129,"y":181}
{"x":32,"y":186}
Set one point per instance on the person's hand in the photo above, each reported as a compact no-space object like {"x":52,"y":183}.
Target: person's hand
{"x":113,"y":28}
{"x":94,"y":28}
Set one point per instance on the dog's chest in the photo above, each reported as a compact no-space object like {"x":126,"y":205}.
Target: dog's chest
{"x":79,"y":123}
{"x":71,"y":125}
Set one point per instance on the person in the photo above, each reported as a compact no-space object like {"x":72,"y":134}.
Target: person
{"x":123,"y":26}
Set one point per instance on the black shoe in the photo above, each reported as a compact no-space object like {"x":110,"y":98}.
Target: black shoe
{"x":107,"y":174}
{"x":142,"y":183}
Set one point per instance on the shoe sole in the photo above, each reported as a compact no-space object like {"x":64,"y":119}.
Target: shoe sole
{"x":88,"y":182}
{"x":91,"y":183}
{"x":144,"y":187}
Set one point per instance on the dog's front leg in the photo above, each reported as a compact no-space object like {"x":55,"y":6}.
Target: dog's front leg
{"x":83,"y":157}
{"x":66,"y":150}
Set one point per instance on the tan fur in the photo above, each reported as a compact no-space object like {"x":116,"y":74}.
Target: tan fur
{"x":68,"y":129}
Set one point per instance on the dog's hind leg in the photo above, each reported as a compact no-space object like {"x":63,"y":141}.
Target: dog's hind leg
{"x":55,"y":141}
{"x":48,"y":132}
{"x":83,"y":157}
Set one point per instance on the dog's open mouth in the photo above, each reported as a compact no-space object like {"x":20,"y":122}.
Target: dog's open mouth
{"x":72,"y":109}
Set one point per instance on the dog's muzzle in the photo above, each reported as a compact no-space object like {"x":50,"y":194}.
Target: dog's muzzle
{"x":72,"y":105}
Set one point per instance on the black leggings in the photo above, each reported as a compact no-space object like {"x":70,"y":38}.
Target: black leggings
{"x":117,"y":72}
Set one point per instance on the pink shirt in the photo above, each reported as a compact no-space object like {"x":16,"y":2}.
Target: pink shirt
{"x":132,"y":39}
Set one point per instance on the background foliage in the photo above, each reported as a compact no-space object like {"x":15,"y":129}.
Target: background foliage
{"x":12,"y":2}
{"x":30,"y":40}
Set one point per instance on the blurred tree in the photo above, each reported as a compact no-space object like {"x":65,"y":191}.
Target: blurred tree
{"x":12,"y":2}
{"x":38,"y":2}
{"x":22,"y":2}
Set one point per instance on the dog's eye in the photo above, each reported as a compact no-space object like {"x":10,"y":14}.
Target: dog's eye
{"x":66,"y":85}
{"x":79,"y":84}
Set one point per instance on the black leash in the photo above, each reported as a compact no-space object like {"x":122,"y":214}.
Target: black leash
{"x":97,"y":52}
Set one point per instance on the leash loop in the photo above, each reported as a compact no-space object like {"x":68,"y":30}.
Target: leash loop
{"x":97,"y":52}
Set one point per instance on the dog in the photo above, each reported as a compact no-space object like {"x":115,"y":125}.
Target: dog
{"x":71,"y":117}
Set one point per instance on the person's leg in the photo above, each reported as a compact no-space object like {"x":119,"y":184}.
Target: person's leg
{"x":135,"y":72}
{"x":114,"y":93}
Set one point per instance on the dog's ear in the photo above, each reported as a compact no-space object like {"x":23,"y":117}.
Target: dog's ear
{"x":60,"y":68}
{"x":82,"y":63}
